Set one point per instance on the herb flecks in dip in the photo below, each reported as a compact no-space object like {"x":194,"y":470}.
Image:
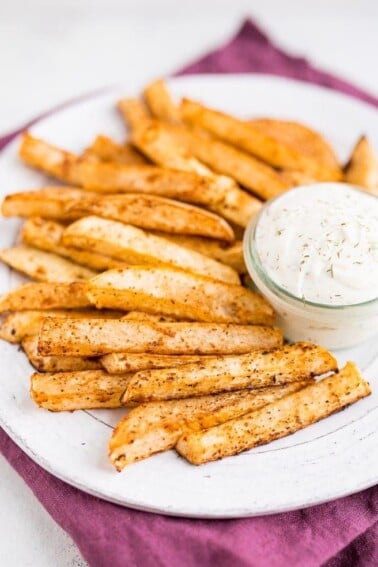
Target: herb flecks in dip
{"x":320,"y":243}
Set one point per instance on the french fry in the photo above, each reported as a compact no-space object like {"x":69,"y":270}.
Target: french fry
{"x":121,"y":362}
{"x":251,"y":139}
{"x":71,"y":337}
{"x":57,"y":363}
{"x":155,"y":213}
{"x":225,"y":159}
{"x":230,"y":254}
{"x":16,"y":326}
{"x":158,"y":145}
{"x":255,"y":370}
{"x":171,"y":291}
{"x":301,"y":137}
{"x":45,"y":295}
{"x":133,"y":111}
{"x":68,"y":391}
{"x":106,"y":149}
{"x":215,"y":193}
{"x":47,"y":235}
{"x":276,"y":420}
{"x":140,"y":316}
{"x":362,"y":168}
{"x":134,"y":246}
{"x":160,"y":102}
{"x":43,"y":266}
{"x":157,"y":426}
{"x":49,"y":203}
{"x":52,"y":160}
{"x":295,"y":178}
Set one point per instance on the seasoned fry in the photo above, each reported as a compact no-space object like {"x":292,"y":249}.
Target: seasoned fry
{"x":157,"y":143}
{"x":223,"y":158}
{"x":52,"y":160}
{"x":230,"y":254}
{"x":134,"y":246}
{"x":155,"y":213}
{"x":72,"y":337}
{"x":160,"y":102}
{"x":121,"y":362}
{"x":47,"y":235}
{"x":140,"y":316}
{"x":49,"y":203}
{"x":171,"y":291}
{"x":16,"y":326}
{"x":256,"y":370}
{"x":285,"y":416}
{"x":45,"y":295}
{"x":301,"y":137}
{"x":68,"y":391}
{"x":362,"y":168}
{"x":106,"y":149}
{"x":295,"y":178}
{"x":133,"y":111}
{"x":43,"y":266}
{"x":216,"y":193}
{"x":57,"y":363}
{"x":157,"y":426}
{"x":251,"y":139}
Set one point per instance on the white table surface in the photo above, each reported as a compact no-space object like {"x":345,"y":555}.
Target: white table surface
{"x":50,"y":51}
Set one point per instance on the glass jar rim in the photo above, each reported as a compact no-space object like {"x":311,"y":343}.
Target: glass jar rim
{"x":253,"y":262}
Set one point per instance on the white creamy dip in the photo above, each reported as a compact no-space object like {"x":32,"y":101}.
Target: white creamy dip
{"x":320,"y":243}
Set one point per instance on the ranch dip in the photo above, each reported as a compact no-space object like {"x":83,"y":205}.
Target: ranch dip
{"x":320,"y":244}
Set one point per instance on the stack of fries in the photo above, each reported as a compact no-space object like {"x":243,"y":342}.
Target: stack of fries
{"x":136,"y":300}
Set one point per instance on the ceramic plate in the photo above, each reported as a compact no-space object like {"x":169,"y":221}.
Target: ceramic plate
{"x":330,"y":459}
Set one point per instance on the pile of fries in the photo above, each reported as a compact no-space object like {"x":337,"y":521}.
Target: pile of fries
{"x":137,"y":299}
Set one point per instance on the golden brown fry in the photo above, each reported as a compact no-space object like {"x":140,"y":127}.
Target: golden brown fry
{"x":43,"y":266}
{"x":106,"y":149}
{"x":45,"y":295}
{"x":296,"y":178}
{"x":170,"y":291}
{"x":301,"y":137}
{"x":160,"y":102}
{"x":52,"y":160}
{"x":72,"y":337}
{"x":251,"y":139}
{"x":16,"y":326}
{"x":256,"y":370}
{"x":362,"y":168}
{"x":140,"y":316}
{"x":230,"y":254}
{"x":133,"y":111}
{"x":121,"y":362}
{"x":47,"y":235}
{"x":135,"y":246}
{"x":68,"y":391}
{"x":155,"y":213}
{"x":285,"y":416}
{"x":157,"y":426}
{"x":157,"y":143}
{"x":223,"y":158}
{"x":216,"y":193}
{"x":50,"y":203}
{"x":57,"y":363}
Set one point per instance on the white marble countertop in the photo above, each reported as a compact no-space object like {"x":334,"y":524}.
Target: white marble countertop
{"x":50,"y":51}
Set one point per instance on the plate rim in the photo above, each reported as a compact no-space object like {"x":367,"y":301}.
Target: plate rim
{"x":134,"y":505}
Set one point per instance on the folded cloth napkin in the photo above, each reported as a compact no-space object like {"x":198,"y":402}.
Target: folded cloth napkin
{"x":337,"y":534}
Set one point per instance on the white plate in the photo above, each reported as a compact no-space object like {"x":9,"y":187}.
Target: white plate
{"x":335,"y":457}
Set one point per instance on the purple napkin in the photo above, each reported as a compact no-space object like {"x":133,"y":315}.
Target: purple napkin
{"x":342,"y":533}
